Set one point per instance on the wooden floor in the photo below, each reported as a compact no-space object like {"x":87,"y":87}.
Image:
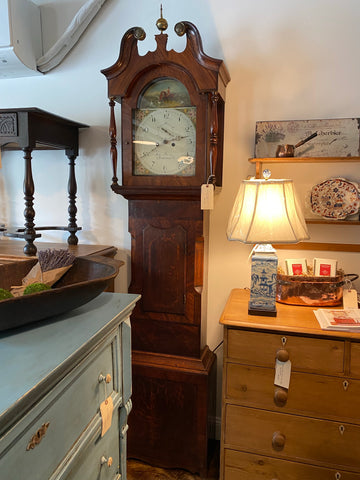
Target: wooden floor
{"x":138,"y":470}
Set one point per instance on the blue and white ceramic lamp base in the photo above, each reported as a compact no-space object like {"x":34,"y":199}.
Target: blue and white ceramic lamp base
{"x":263,"y":284}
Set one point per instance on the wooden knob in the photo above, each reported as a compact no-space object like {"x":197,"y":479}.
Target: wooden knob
{"x":280,"y":397}
{"x":282,"y":355}
{"x":278,"y":441}
{"x":109,"y":462}
{"x":108,"y":378}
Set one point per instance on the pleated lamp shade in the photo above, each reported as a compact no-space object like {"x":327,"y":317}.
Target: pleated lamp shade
{"x":267,"y":211}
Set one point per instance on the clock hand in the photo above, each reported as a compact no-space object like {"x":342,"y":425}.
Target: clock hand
{"x":166,"y":131}
{"x":146,"y":142}
{"x":179,"y":137}
{"x":175,"y":139}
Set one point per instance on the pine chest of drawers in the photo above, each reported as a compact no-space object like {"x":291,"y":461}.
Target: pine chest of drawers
{"x":54,"y":377}
{"x":310,"y":430}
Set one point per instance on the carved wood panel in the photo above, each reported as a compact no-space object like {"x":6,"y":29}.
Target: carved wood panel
{"x":164,"y":251}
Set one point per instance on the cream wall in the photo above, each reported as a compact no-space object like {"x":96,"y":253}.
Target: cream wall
{"x":287,"y":60}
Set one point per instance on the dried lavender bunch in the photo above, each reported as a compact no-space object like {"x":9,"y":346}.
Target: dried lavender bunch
{"x":50,"y":259}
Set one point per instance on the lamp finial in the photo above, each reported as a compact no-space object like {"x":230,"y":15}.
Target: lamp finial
{"x":266,"y":174}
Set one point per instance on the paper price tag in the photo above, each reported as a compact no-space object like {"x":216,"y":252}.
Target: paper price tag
{"x":106,"y":411}
{"x":350,"y":299}
{"x":207,"y":196}
{"x":282,"y":373}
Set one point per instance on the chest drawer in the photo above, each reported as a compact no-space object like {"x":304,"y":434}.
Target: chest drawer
{"x":308,"y":394}
{"x":67,"y":410}
{"x":307,"y":440}
{"x":306,"y":354}
{"x":355,"y":360}
{"x":255,"y":467}
{"x":99,"y":459}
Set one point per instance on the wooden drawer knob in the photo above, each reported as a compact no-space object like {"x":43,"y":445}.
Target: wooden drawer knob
{"x":280,"y":397}
{"x":282,"y":355}
{"x":278,"y":441}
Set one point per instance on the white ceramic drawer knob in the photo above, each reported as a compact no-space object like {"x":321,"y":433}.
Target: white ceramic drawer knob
{"x":105,"y":378}
{"x":107,"y":461}
{"x":278,"y":441}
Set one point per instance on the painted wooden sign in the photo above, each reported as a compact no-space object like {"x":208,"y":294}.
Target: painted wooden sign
{"x":335,"y":137}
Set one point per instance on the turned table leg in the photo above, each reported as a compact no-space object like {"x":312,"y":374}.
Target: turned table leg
{"x":72,"y":210}
{"x":29,"y":212}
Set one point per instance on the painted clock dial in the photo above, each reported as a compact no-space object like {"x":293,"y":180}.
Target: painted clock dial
{"x":164,"y":141}
{"x":164,"y":134}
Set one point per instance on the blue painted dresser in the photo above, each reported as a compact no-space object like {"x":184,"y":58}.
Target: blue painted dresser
{"x":54,"y":377}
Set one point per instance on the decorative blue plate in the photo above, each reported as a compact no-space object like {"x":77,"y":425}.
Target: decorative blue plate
{"x":335,"y":198}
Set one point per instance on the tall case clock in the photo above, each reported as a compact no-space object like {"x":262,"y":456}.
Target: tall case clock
{"x":172,"y":122}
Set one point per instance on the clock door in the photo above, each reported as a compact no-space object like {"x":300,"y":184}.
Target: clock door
{"x":165,"y":237}
{"x":166,"y":135}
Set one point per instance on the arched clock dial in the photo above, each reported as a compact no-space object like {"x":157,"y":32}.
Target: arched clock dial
{"x":164,"y":141}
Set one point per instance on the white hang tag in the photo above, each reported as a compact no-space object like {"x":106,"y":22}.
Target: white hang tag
{"x":282,"y":373}
{"x":350,"y":299}
{"x":207,"y":196}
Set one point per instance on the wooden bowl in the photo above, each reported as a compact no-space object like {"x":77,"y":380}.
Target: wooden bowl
{"x":85,"y":280}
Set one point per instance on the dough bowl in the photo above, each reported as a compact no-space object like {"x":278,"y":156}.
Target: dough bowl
{"x":85,"y":280}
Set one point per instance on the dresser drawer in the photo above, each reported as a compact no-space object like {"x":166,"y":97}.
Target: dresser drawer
{"x":245,"y":466}
{"x":355,"y":360}
{"x":99,"y":459}
{"x":307,"y":440}
{"x":67,"y":410}
{"x":308,"y":394}
{"x":306,"y":354}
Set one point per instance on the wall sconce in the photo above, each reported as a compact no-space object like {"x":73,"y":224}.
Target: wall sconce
{"x":265,"y":211}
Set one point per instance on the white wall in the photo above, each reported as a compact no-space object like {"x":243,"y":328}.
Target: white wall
{"x":295,"y":59}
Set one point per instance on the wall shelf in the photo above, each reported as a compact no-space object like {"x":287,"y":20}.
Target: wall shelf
{"x":323,"y":221}
{"x":259,"y":161}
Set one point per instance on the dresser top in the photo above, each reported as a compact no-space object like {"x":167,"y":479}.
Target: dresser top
{"x":290,"y":318}
{"x":36,"y":357}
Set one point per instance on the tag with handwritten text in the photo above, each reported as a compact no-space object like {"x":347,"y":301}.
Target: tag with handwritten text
{"x":282,"y":373}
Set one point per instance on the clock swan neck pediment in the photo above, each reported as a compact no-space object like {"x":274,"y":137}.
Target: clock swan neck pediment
{"x":128,"y":53}
{"x":209,"y":74}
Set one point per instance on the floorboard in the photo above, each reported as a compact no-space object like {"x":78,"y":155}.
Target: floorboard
{"x":139,"y":470}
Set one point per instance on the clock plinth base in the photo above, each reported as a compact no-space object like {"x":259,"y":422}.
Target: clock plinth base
{"x":173,"y":398}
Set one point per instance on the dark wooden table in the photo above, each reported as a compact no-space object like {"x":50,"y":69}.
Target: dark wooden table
{"x":29,"y":129}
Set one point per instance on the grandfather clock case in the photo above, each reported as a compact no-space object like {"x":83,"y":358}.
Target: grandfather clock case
{"x":172,"y":120}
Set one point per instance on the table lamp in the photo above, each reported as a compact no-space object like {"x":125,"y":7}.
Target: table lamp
{"x":265,"y":211}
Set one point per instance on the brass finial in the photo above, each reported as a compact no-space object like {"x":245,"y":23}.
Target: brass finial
{"x":161,"y":23}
